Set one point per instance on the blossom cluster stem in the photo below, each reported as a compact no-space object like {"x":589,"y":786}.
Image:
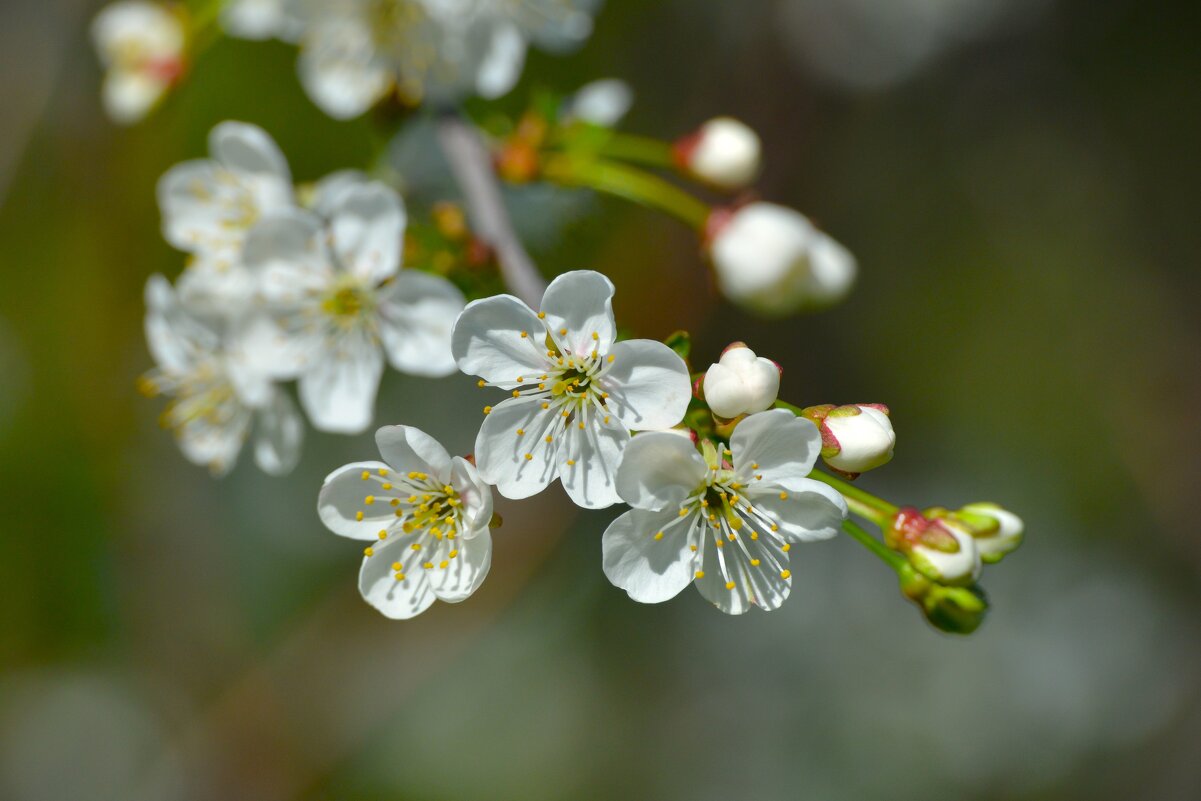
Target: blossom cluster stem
{"x":886,"y":555}
{"x":637,"y":150}
{"x":472,"y":167}
{"x":629,"y":183}
{"x":862,"y":503}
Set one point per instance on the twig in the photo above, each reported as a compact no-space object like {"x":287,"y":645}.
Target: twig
{"x":472,"y":168}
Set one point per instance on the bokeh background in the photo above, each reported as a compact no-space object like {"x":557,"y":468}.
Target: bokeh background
{"x":1018,"y":179}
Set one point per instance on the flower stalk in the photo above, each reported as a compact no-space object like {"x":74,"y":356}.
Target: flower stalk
{"x":630,"y":183}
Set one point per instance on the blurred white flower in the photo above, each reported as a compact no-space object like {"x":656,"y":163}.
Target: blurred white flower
{"x":576,"y":391}
{"x":741,"y":382}
{"x":209,"y":206}
{"x":772,"y":260}
{"x":335,"y":302}
{"x":857,"y":438}
{"x":725,"y":521}
{"x":354,"y":52}
{"x":141,"y":46}
{"x":426,"y":514}
{"x":262,"y":19}
{"x":215,"y":399}
{"x":724,"y":153}
{"x":604,"y":102}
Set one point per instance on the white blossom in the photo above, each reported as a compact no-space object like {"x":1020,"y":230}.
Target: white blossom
{"x":576,"y":391}
{"x":354,"y":52}
{"x":772,"y":260}
{"x":603,"y":102}
{"x":336,"y":303}
{"x":858,"y":438}
{"x":723,"y":152}
{"x":427,"y":516}
{"x":140,"y":45}
{"x":262,"y":19}
{"x":209,"y":207}
{"x":741,"y":382}
{"x":726,"y":520}
{"x":215,"y":399}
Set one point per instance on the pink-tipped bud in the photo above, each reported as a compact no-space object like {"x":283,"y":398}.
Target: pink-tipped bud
{"x":772,"y":260}
{"x":940,"y":550}
{"x":857,"y":438}
{"x":741,"y":383}
{"x":724,"y":153}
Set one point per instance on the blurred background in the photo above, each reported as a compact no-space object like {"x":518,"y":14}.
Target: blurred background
{"x":1013,"y":176}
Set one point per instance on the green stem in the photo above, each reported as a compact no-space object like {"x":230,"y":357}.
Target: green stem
{"x":877,"y":510}
{"x":629,"y":183}
{"x":797,"y":410}
{"x":886,"y":555}
{"x":638,"y":150}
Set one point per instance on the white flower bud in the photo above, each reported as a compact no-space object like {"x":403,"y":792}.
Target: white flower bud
{"x":723,"y":152}
{"x":1006,"y":537}
{"x":141,"y":46}
{"x":741,"y":382}
{"x":961,"y":567}
{"x":604,"y":102}
{"x":856,"y":439}
{"x":772,"y":260}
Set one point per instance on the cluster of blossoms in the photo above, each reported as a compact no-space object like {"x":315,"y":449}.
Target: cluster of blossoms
{"x":309,"y":284}
{"x":277,"y":288}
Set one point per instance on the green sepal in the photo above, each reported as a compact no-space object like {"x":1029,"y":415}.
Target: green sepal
{"x":681,"y":343}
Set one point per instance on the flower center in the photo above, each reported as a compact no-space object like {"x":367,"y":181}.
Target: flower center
{"x":425,"y":511}
{"x":347,"y":302}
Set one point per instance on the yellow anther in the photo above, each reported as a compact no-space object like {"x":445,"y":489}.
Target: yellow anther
{"x":383,"y":471}
{"x":692,"y":548}
{"x":683,"y":512}
{"x":581,"y":425}
{"x":370,"y":499}
{"x":754,"y":563}
{"x":735,"y":485}
{"x":520,"y":379}
{"x":720,"y":543}
{"x":611,"y":357}
{"x":774,"y":527}
{"x":785,"y":547}
{"x":731,"y":536}
{"x":417,"y":546}
{"x":529,"y":457}
{"x":541,"y":387}
{"x":412,"y":499}
{"x":358,"y":516}
{"x":605,"y":395}
{"x":448,"y":489}
{"x":481,"y":383}
{"x":521,"y":432}
{"x":700,"y":574}
{"x":428,"y":565}
{"x":386,"y":486}
{"x":562,"y":332}
{"x":453,"y":554}
{"x":487,"y":410}
{"x":549,"y":439}
{"x":606,"y":419}
{"x":397,"y":567}
{"x":754,"y":535}
{"x":783,"y":496}
{"x":705,"y":504}
{"x":525,"y":334}
{"x":595,"y":335}
{"x":395,"y":501}
{"x":754,"y":465}
{"x":400,"y":513}
{"x":516,"y":393}
{"x":368,"y":551}
{"x":785,"y":574}
{"x":366,"y":474}
{"x":443,"y":564}
{"x":541,"y":315}
{"x":730,"y":585}
{"x":659,"y":535}
{"x":383,"y":534}
{"x":759,"y":478}
{"x":571,"y":462}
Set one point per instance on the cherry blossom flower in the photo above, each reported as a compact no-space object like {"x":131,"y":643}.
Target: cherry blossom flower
{"x":726,"y":520}
{"x":354,"y":52}
{"x":262,"y":19}
{"x":576,"y":392}
{"x":336,"y":303}
{"x":215,"y":400}
{"x":426,"y":516}
{"x":209,"y":206}
{"x":741,"y":382}
{"x":141,"y":45}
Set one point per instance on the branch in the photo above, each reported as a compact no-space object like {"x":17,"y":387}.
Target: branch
{"x":472,"y":168}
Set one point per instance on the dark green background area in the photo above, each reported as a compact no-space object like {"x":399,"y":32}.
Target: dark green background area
{"x":1023,"y":206}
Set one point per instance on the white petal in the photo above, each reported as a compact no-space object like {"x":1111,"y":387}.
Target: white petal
{"x":215,"y":445}
{"x":338,"y":392}
{"x":128,"y":96}
{"x":368,"y":224}
{"x":602,"y":102}
{"x":176,"y":339}
{"x":809,"y":510}
{"x":487,"y":340}
{"x":259,"y":346}
{"x":649,"y":570}
{"x":502,"y":64}
{"x":287,"y":255}
{"x":410,"y":449}
{"x":251,"y":385}
{"x":418,"y":312}
{"x":595,"y":451}
{"x":582,"y":303}
{"x":463,"y":574}
{"x":399,"y":600}
{"x":194,"y":198}
{"x":648,"y":384}
{"x":216,"y":288}
{"x":279,"y":432}
{"x":476,"y":512}
{"x":762,"y":585}
{"x":343,"y":496}
{"x":127,"y":24}
{"x":659,"y":470}
{"x":338,"y":69}
{"x":328,"y":191}
{"x":783,"y":446}
{"x":248,"y":150}
{"x":253,"y":19}
{"x":501,"y":452}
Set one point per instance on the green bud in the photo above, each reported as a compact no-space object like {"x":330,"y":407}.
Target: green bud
{"x":955,"y":610}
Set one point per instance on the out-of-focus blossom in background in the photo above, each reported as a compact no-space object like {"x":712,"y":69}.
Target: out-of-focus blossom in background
{"x":141,"y":45}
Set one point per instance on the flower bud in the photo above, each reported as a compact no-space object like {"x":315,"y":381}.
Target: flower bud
{"x":772,"y":260}
{"x":604,"y":103}
{"x":955,"y":610}
{"x":855,"y":438}
{"x":141,"y":45}
{"x":943,"y":550}
{"x":996,"y":531}
{"x":741,"y":382}
{"x":723,"y":153}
